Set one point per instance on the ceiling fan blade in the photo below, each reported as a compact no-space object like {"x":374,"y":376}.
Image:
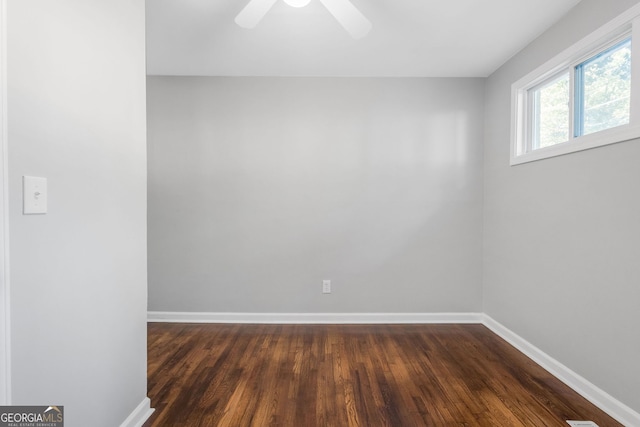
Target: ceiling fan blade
{"x":349,"y":17}
{"x":253,"y":13}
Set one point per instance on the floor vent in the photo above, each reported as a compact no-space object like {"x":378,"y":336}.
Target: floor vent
{"x":582,"y":423}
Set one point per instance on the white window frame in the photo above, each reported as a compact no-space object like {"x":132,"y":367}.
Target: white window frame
{"x":623,"y":26}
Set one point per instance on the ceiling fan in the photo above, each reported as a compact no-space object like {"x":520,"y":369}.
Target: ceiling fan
{"x":344,"y":11}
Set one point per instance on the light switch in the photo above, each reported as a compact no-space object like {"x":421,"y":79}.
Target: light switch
{"x":34,"y":195}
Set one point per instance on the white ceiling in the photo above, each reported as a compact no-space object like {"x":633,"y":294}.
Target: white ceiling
{"x":421,"y":38}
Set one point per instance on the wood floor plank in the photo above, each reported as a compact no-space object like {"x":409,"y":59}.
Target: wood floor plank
{"x":350,"y":375}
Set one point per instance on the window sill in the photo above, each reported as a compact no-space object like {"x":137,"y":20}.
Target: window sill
{"x":586,"y":142}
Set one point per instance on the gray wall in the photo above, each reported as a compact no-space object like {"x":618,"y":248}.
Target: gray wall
{"x":562,"y":235}
{"x":76,"y":115}
{"x":259,"y":188}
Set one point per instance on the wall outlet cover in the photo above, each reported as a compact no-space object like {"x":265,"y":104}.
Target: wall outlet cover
{"x":326,"y":286}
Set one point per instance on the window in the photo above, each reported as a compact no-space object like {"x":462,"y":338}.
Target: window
{"x":551,"y":112}
{"x":603,"y":90}
{"x":583,"y":98}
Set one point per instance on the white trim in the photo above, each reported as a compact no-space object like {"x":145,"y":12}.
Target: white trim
{"x":635,"y":74}
{"x":139,"y":415}
{"x":575,"y":54}
{"x":582,"y":386}
{"x":5,"y":349}
{"x":314,"y":318}
{"x":586,"y":142}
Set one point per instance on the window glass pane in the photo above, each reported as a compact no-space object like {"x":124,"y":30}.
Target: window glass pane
{"x":551,"y":113}
{"x":605,"y":84}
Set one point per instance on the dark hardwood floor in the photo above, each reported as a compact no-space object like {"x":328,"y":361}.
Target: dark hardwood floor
{"x":351,"y":375}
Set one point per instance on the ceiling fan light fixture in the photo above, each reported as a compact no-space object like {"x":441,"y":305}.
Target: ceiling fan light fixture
{"x":297,"y":3}
{"x":344,"y":11}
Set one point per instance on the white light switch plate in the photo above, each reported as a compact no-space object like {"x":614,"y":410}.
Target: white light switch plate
{"x":34,"y":195}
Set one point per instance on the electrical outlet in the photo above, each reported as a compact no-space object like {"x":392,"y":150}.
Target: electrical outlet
{"x":326,"y":286}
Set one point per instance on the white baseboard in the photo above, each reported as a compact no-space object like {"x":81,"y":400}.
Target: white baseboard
{"x":314,"y":318}
{"x":139,"y":415}
{"x":616,"y":409}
